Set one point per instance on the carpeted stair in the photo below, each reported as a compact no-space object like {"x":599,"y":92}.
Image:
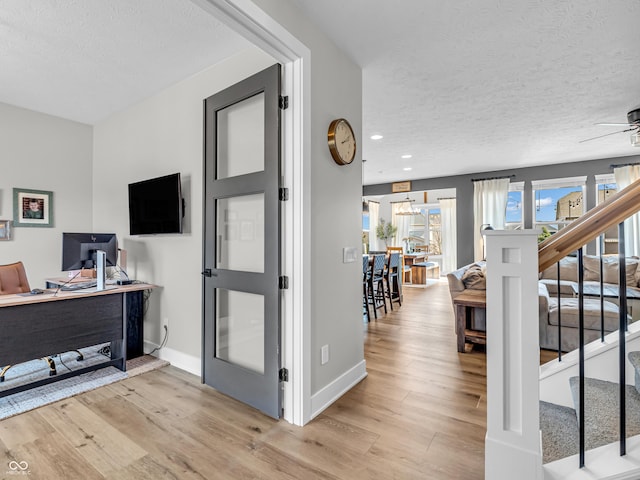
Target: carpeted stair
{"x":559,"y":428}
{"x":559,"y":425}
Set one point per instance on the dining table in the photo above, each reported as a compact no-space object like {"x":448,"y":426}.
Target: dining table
{"x":409,"y":260}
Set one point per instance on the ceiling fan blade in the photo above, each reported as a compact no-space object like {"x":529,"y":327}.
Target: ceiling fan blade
{"x":607,"y":134}
{"x":615,"y":124}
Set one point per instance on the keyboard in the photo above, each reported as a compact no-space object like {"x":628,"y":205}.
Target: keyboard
{"x":78,"y":286}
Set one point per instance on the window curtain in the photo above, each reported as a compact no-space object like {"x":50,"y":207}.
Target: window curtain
{"x":489,"y":207}
{"x":625,"y":176}
{"x":402,"y":222}
{"x":374,"y":219}
{"x":449,"y":234}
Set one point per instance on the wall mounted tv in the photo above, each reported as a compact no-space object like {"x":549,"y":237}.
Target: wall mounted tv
{"x":156,"y":206}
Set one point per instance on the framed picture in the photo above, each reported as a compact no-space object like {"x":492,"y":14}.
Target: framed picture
{"x":5,"y":230}
{"x":32,"y":208}
{"x":400,"y":187}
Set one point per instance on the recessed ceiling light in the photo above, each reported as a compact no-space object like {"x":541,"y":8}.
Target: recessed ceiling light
{"x":407,"y":156}
{"x":407,"y":169}
{"x":376,"y":137}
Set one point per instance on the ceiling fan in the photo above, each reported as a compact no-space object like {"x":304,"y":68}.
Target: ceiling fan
{"x":633,"y":125}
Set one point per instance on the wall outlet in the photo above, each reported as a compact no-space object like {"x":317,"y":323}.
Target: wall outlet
{"x":325,"y":354}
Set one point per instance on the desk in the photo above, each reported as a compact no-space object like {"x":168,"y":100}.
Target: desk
{"x":464,"y":303}
{"x":135,"y":313}
{"x":35,"y":326}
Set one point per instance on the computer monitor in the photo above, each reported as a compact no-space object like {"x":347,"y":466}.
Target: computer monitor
{"x":79,"y":249}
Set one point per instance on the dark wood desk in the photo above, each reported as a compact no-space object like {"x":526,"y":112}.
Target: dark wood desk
{"x":464,"y":303}
{"x":135,"y":314}
{"x":35,"y":326}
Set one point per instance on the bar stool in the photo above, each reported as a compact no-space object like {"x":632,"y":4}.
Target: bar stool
{"x":376,"y":285}
{"x":393,"y":283}
{"x":366,"y":272}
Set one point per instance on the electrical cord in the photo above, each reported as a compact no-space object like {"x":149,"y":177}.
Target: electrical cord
{"x":105,"y":350}
{"x":163,"y":343}
{"x":62,"y":362}
{"x":66,"y":283}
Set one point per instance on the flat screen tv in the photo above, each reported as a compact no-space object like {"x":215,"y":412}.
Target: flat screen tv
{"x":156,"y":206}
{"x":79,"y":249}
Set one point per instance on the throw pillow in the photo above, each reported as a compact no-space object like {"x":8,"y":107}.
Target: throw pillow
{"x":474,"y":278}
{"x":610,"y":269}
{"x":568,"y":270}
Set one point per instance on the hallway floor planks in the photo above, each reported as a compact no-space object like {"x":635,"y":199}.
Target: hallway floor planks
{"x":420,"y":414}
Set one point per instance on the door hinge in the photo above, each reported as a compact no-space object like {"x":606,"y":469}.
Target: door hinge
{"x":283,"y":102}
{"x":207,"y":272}
{"x":283,"y":282}
{"x":284,"y":375}
{"x":283,"y":194}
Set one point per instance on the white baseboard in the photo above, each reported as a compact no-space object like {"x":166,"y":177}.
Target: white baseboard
{"x":329,"y":394}
{"x":183,"y":361}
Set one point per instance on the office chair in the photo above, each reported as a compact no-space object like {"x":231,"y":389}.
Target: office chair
{"x":13,"y":280}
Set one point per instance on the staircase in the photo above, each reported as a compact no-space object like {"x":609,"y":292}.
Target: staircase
{"x":559,"y":424}
{"x":595,"y":434}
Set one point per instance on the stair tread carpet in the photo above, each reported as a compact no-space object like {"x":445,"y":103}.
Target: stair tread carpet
{"x":559,"y":428}
{"x":602,"y":411}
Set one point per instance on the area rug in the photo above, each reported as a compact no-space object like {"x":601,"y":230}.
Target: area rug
{"x":37,"y":397}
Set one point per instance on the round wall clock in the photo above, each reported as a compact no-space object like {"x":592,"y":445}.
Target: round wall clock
{"x":342,"y":142}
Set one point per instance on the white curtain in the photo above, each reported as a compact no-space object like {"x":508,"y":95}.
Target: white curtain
{"x":374,"y":219}
{"x":403,"y":222}
{"x":625,"y":176}
{"x":449,"y":234}
{"x":489,"y":207}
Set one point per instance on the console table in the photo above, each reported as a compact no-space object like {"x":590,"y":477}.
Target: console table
{"x":464,"y":302}
{"x":35,"y":326}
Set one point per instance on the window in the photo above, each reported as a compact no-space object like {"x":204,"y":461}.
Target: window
{"x":557,"y":202}
{"x":605,"y":188}
{"x":513,"y":216}
{"x":426,"y":229}
{"x":434,"y":224}
{"x":365,"y":230}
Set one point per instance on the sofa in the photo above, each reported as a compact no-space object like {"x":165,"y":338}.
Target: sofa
{"x":472,"y":276}
{"x":569,"y":279}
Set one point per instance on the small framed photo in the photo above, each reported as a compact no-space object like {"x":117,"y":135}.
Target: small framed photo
{"x":32,"y":208}
{"x":5,"y":230}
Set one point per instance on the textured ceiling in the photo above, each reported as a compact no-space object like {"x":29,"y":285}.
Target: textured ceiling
{"x":464,"y":86}
{"x":467,"y":85}
{"x":85,"y":59}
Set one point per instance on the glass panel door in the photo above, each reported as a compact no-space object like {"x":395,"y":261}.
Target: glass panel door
{"x":241,"y":342}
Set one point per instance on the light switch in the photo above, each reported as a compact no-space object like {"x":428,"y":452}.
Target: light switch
{"x":349,"y":254}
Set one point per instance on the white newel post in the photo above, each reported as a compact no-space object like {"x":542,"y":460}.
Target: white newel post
{"x":512,"y":444}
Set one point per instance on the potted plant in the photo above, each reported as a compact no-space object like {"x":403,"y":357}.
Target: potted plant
{"x":385,"y":231}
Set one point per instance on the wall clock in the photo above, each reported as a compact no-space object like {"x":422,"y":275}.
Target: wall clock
{"x":341,"y":141}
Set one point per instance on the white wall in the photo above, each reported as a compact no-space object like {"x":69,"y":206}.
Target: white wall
{"x":42,"y":152}
{"x":159,"y":136}
{"x":335,"y":209}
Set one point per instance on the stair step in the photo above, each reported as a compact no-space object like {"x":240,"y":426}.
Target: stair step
{"x":634,"y":358}
{"x":602,"y":411}
{"x":559,"y":427}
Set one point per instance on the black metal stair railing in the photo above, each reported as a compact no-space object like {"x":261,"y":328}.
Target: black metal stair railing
{"x":622,"y":330}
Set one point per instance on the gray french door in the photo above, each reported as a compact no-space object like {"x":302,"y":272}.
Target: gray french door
{"x":242,"y":242}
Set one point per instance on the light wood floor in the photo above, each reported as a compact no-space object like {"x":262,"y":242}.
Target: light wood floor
{"x":420,"y":414}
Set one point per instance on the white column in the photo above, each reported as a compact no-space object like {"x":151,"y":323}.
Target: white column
{"x":512,"y":443}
